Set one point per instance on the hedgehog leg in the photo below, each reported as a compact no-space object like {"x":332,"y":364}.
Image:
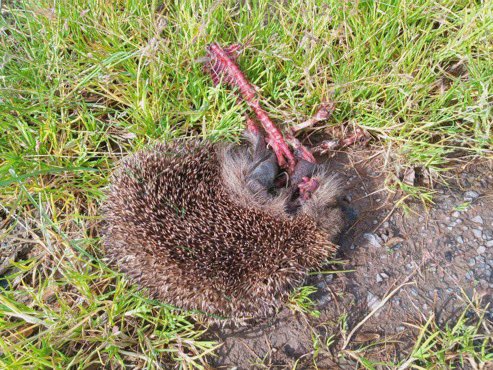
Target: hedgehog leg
{"x":222,"y":67}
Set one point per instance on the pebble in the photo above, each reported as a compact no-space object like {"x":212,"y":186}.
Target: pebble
{"x":459,"y":240}
{"x":373,"y":240}
{"x":372,"y":300}
{"x":381,"y":277}
{"x":488,"y":234}
{"x":397,"y":246}
{"x":480,"y":260}
{"x":469,"y":275}
{"x":478,"y":219}
{"x":449,"y":256}
{"x":471,"y":262}
{"x":470,"y":195}
{"x":481,"y":250}
{"x":489,"y":243}
{"x":477,"y":233}
{"x":456,"y":214}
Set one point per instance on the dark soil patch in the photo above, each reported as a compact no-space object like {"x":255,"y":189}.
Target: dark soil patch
{"x":444,"y":253}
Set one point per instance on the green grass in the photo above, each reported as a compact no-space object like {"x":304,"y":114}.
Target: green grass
{"x":301,"y":302}
{"x":82,"y":83}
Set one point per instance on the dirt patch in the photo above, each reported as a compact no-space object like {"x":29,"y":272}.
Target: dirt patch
{"x":442,"y":254}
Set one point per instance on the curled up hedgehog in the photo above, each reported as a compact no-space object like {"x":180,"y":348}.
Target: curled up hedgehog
{"x":225,"y":229}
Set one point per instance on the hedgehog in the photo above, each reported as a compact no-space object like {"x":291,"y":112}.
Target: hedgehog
{"x":208,"y":227}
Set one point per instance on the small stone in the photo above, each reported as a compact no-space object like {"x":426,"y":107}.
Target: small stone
{"x":448,"y":256}
{"x":397,"y":246}
{"x":481,"y":250}
{"x":478,"y":219}
{"x":469,"y":275}
{"x":373,"y":240}
{"x":328,"y":278}
{"x":400,"y":329}
{"x":489,"y":243}
{"x":471,"y":262}
{"x":381,"y":277}
{"x":470,"y":195}
{"x":372,"y":300}
{"x":456,"y":214}
{"x":488,"y":234}
{"x":459,"y":240}
{"x":477,"y":233}
{"x":386,"y":224}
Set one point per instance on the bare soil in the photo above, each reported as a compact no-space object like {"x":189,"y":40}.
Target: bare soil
{"x":434,"y":257}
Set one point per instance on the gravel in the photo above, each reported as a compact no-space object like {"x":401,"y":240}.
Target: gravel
{"x":481,"y":250}
{"x":470,"y":195}
{"x":372,"y":300}
{"x":477,"y":233}
{"x":373,"y":240}
{"x":381,"y":277}
{"x":477,"y":219}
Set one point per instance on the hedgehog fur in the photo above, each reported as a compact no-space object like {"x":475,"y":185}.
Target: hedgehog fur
{"x":198,"y":226}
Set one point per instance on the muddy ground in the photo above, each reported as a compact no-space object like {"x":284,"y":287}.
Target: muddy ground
{"x":442,"y":253}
